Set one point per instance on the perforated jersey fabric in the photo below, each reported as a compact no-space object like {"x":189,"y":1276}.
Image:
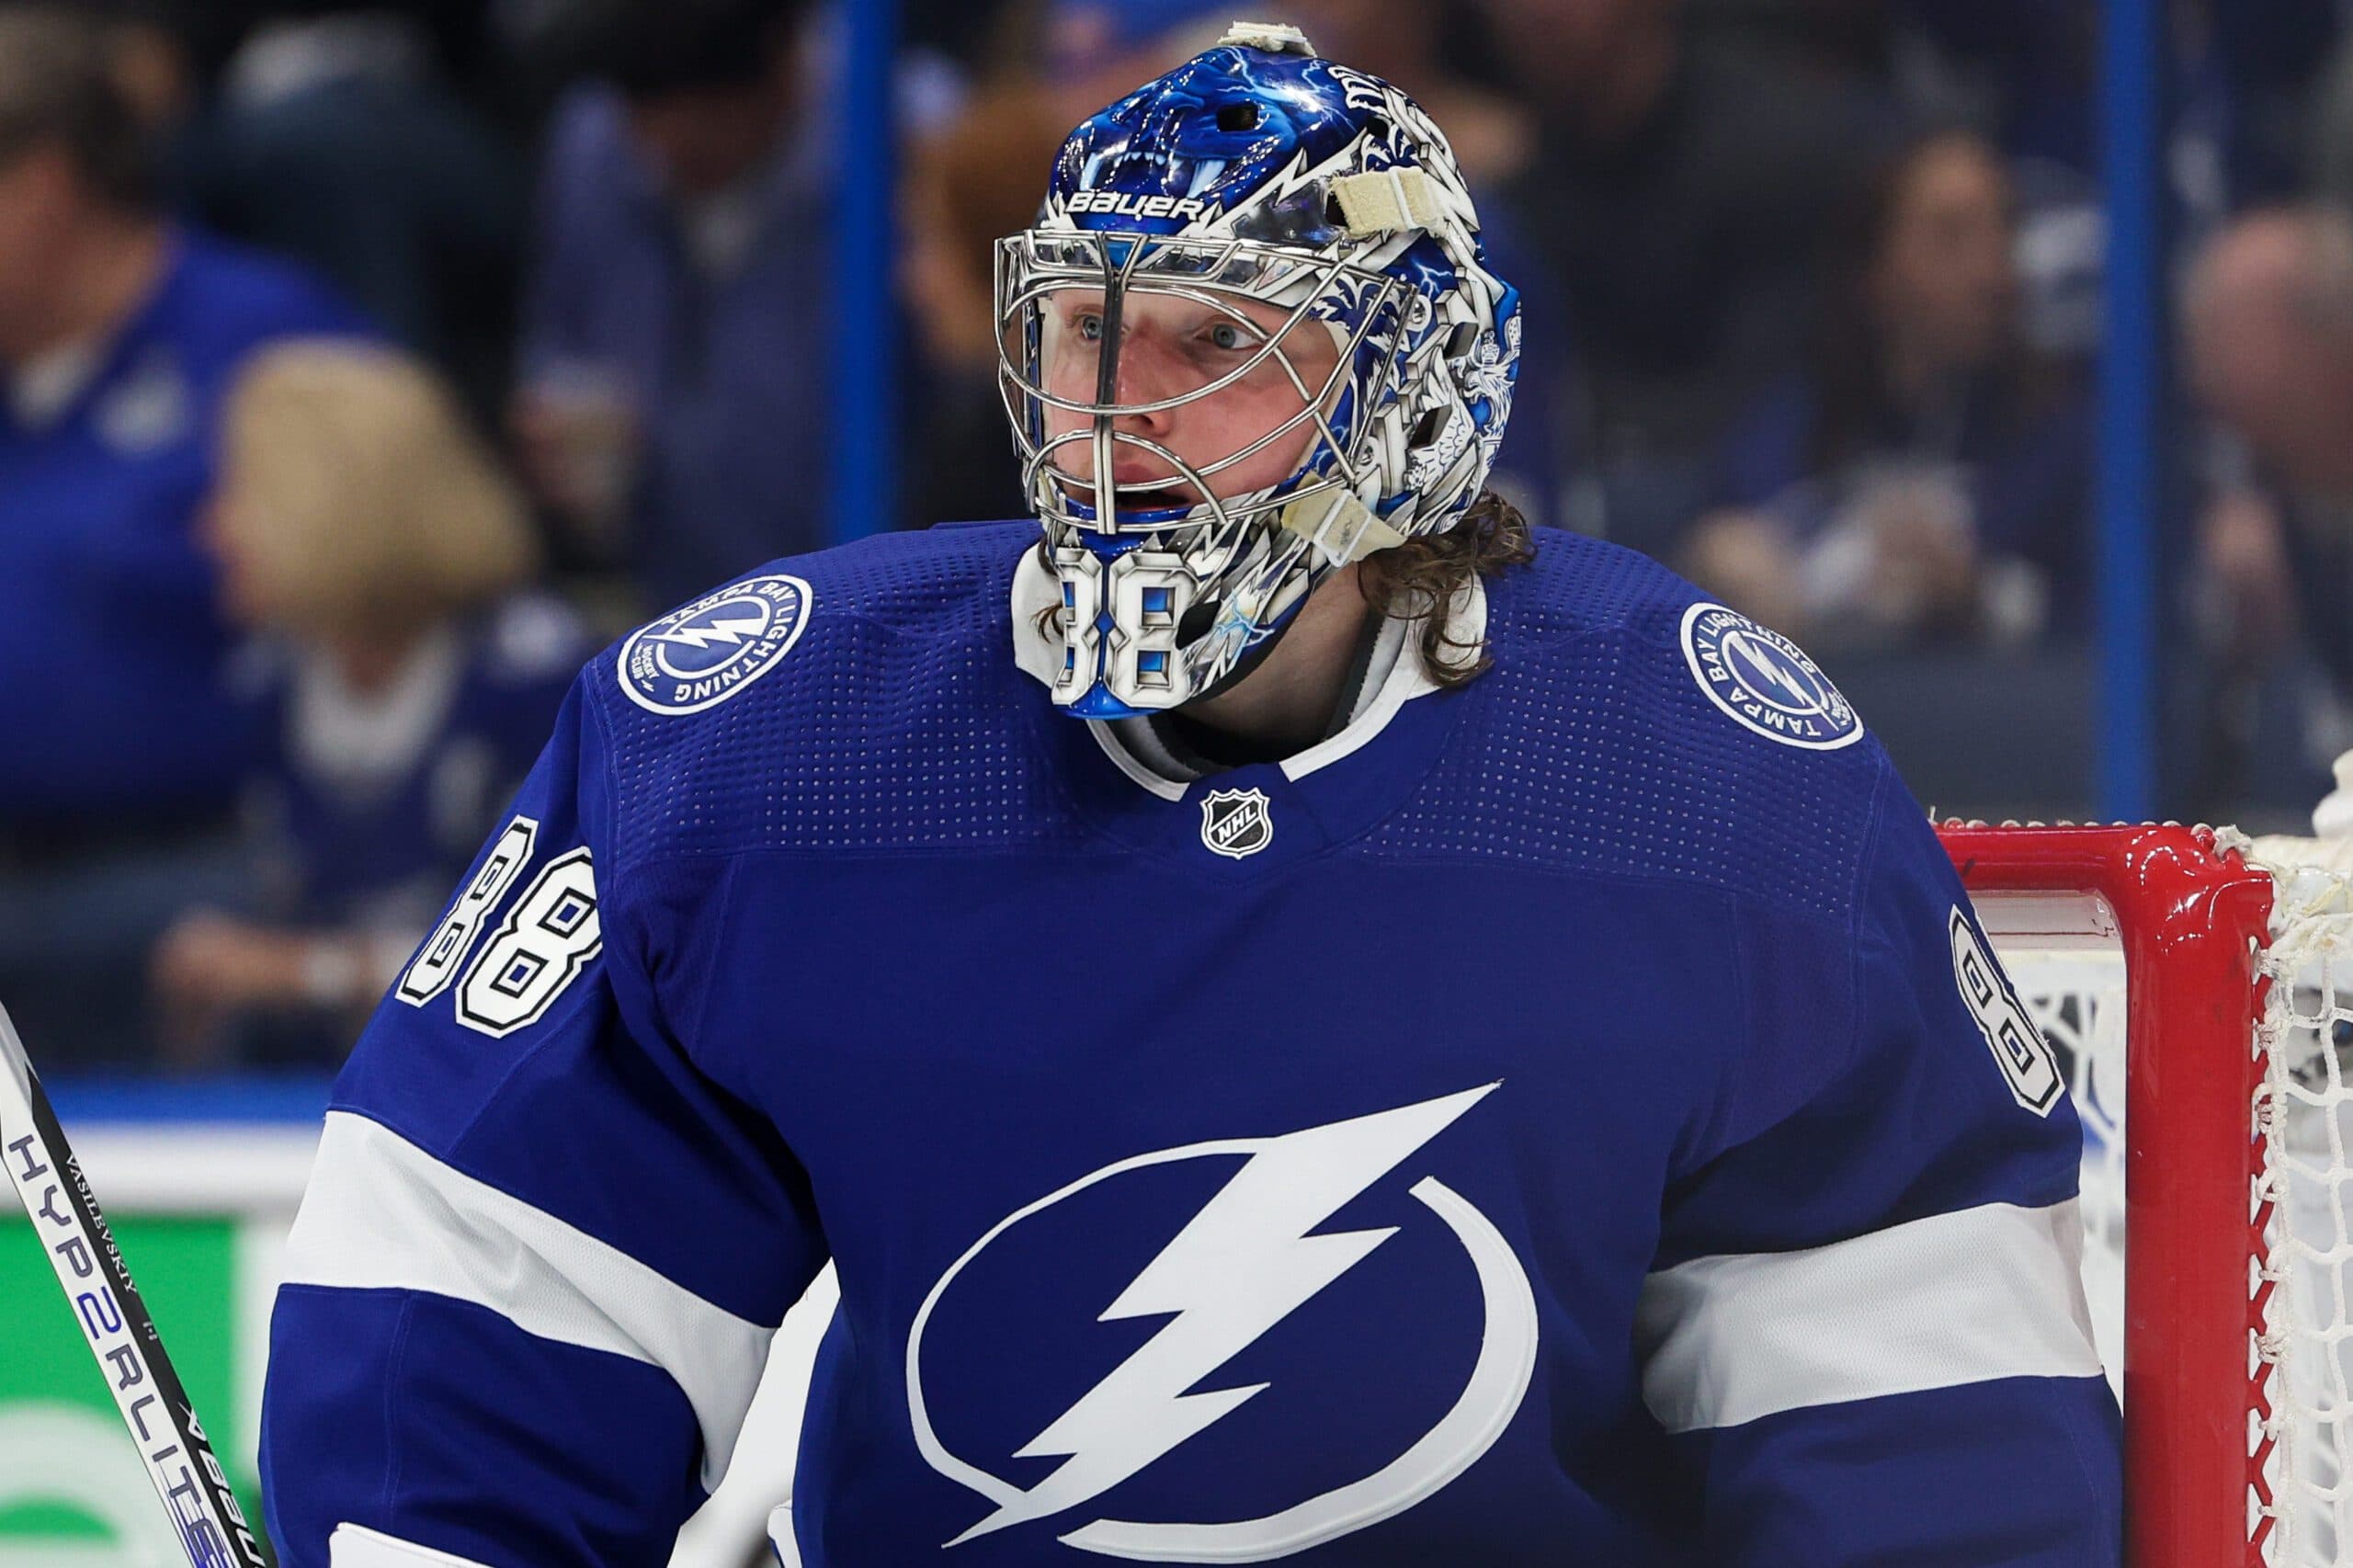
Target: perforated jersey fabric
{"x":891,"y":725}
{"x":899,"y":723}
{"x":1590,"y":746}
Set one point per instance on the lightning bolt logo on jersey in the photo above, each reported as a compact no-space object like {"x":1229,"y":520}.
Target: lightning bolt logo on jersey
{"x":715,"y":647}
{"x":1247,"y":1262}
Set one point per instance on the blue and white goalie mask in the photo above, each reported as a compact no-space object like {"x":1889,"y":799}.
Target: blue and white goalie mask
{"x":1252,"y":337}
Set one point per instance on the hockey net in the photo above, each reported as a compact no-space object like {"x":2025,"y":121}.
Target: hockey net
{"x":2197,"y":989}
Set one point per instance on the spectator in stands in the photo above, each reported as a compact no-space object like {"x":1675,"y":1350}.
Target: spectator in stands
{"x":406,"y":678}
{"x":2027,"y":69}
{"x":1416,"y":43}
{"x":334,"y":140}
{"x":1676,"y":198}
{"x":1094,"y":51}
{"x":119,"y":335}
{"x":674,"y":402}
{"x":2268,"y":315}
{"x":1921,"y":477}
{"x":1407,"y":42}
{"x":975,"y":179}
{"x":2267,"y":327}
{"x":971,"y":181}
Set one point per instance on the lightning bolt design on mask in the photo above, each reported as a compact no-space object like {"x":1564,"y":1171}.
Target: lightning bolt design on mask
{"x":1244,"y":1264}
{"x":727,"y":632}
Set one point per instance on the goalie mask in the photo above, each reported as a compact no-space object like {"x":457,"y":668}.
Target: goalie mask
{"x":1267,"y":245}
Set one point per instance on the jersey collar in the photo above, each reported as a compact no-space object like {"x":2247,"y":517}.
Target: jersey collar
{"x":1393,"y":677}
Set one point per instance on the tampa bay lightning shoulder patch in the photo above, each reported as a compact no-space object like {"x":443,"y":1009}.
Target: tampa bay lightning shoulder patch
{"x":1765,"y":682}
{"x":698,"y":656}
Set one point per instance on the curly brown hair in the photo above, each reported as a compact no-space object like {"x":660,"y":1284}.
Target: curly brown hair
{"x":1412,"y":581}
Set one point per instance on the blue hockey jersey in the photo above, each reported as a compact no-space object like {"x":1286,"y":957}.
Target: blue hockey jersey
{"x":98,"y":505}
{"x":1571,"y":1120}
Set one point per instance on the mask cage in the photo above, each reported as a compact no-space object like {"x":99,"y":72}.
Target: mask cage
{"x":1035,"y":265}
{"x":1229,"y":569}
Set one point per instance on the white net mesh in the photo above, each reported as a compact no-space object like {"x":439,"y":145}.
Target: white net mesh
{"x":2305,"y":1114}
{"x":2063,"y":956}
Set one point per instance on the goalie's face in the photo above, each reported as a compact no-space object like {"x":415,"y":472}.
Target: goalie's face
{"x":1250,"y":340}
{"x":1216,"y":395}
{"x":1184,"y":410}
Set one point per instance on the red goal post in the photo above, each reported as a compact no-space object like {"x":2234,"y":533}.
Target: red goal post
{"x":2203,"y":1333}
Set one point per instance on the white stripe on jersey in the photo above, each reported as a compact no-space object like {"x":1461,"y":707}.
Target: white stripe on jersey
{"x":383,"y":1214}
{"x":1954,"y":1299}
{"x":354,"y":1546}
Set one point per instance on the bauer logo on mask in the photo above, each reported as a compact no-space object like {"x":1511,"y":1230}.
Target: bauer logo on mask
{"x":1129,"y":205}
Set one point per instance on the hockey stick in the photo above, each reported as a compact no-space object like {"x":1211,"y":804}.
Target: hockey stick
{"x":205,"y":1516}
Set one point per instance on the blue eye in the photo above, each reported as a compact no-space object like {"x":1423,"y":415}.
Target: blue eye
{"x":1089,"y":328}
{"x":1228,"y":336}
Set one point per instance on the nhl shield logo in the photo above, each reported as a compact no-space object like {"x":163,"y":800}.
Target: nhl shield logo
{"x":1235,"y":823}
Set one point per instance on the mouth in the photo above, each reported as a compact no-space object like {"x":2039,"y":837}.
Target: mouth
{"x":1170,"y":497}
{"x":1158,"y":499}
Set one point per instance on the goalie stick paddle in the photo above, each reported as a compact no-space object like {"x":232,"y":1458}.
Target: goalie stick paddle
{"x":206,"y":1516}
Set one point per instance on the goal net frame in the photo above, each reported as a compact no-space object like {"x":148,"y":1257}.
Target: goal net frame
{"x":2193,"y":918}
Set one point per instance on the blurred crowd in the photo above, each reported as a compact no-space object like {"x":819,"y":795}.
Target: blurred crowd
{"x":363,"y":366}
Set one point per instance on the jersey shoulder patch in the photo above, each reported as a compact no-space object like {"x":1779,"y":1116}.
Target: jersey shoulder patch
{"x":855,"y":697}
{"x":918,"y":585}
{"x":1765,"y":683}
{"x":1599,"y":741}
{"x":715,"y":647}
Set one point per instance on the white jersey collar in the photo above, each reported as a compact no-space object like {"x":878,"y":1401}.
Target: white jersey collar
{"x":1396,"y":677}
{"x":360,"y":744}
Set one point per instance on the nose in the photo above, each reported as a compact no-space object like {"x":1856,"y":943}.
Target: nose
{"x":1143,"y":376}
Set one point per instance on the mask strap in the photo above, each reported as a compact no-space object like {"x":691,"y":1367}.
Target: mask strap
{"x":1340,"y":526}
{"x":1386,"y":200}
